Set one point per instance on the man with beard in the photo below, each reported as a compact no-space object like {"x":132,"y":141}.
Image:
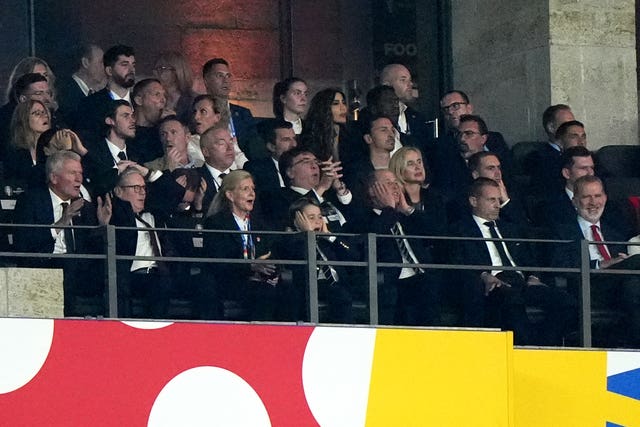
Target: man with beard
{"x":109,"y":156}
{"x":621,"y":292}
{"x":120,"y":68}
{"x":411,"y":123}
{"x":450,"y":173}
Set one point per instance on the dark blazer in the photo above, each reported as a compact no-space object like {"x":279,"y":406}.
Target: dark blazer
{"x":246,"y":132}
{"x":414,"y":224}
{"x":265,"y":174}
{"x":449,"y":171}
{"x":147,"y":143}
{"x":6,"y":112}
{"x":545,"y":168}
{"x":221,"y":245}
{"x":89,"y":117}
{"x":164,"y":193}
{"x":126,"y":240}
{"x":476,"y":253}
{"x":34,"y":207}
{"x":276,"y":204}
{"x":212,"y":188}
{"x":18,"y":166}
{"x":568,"y":254}
{"x":418,"y":133}
{"x":69,"y":95}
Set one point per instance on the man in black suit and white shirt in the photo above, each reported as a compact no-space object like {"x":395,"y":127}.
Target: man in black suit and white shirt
{"x":497,"y":297}
{"x":88,"y":78}
{"x":120,"y":68}
{"x":219,"y":156}
{"x":60,"y":204}
{"x":279,"y":137}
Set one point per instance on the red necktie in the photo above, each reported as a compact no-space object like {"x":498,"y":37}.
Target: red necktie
{"x":602,"y":248}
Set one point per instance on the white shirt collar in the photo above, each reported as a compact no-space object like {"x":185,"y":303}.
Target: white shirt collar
{"x":83,"y":86}
{"x":115,"y":150}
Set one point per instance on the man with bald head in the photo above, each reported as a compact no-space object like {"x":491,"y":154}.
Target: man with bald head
{"x":411,"y":123}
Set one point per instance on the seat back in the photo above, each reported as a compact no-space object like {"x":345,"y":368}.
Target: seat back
{"x":618,"y":161}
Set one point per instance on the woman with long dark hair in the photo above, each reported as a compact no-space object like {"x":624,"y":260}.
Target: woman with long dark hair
{"x":324,"y":129}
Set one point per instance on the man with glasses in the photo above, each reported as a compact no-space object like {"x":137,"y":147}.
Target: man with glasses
{"x":219,"y":82}
{"x":450,"y":172}
{"x":306,"y":176}
{"x":147,"y":279}
{"x":455,"y":104}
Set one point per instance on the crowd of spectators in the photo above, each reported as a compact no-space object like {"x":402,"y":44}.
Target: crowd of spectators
{"x":103,"y":147}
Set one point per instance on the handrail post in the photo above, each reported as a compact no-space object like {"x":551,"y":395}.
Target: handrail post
{"x":585,"y":294}
{"x":312,"y":277}
{"x":111,"y":274}
{"x":372,"y":273}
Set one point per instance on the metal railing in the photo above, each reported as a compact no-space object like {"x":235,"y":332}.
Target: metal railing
{"x":312,"y":262}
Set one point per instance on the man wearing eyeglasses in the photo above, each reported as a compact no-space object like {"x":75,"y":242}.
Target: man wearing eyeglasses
{"x":306,"y":176}
{"x":455,"y":104}
{"x":219,"y":82}
{"x":149,"y":279}
{"x":450,"y":172}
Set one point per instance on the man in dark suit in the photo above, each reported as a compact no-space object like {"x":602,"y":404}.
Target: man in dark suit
{"x":88,"y":78}
{"x":120,"y":68}
{"x":306,"y":176}
{"x":219,"y":82}
{"x":544,"y":165}
{"x":487,"y":165}
{"x":408,"y":295}
{"x":451,"y":174}
{"x":61,"y":204}
{"x":379,"y":137}
{"x":279,"y":137}
{"x":557,"y":206}
{"x":219,"y":156}
{"x":107,"y":157}
{"x":150,"y":280}
{"x":497,"y":297}
{"x":622,"y":292}
{"x":411,"y":123}
{"x":455,"y":104}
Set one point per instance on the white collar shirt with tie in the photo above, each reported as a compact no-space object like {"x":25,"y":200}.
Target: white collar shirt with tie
{"x":60,"y":246}
{"x":491,"y":246}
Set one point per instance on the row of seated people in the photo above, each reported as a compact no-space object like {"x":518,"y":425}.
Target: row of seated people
{"x":407,"y":296}
{"x":334,"y":166}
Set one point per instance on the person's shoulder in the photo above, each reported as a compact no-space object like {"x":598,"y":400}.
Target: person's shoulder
{"x":239,"y":110}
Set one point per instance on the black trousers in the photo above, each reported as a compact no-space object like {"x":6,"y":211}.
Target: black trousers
{"x":151,"y":287}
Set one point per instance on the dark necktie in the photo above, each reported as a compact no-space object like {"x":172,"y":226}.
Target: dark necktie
{"x":122,"y":155}
{"x":220,"y":178}
{"x":602,"y":248}
{"x":69,"y":239}
{"x":498,"y":244}
{"x":329,"y":273}
{"x":403,"y":247}
{"x":155,"y":243}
